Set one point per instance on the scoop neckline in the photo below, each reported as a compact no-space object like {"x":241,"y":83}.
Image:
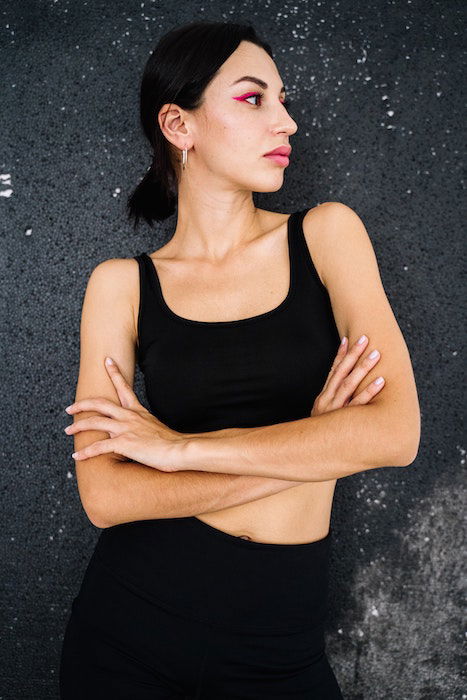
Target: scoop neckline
{"x":235,"y":322}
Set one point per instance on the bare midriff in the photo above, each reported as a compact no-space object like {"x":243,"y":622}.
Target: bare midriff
{"x":297,"y":515}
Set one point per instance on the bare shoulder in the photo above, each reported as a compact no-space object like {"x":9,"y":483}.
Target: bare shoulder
{"x":330,"y":227}
{"x":118,"y":279}
{"x":123,"y":269}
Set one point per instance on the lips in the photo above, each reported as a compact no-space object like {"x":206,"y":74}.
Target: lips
{"x":279,"y":155}
{"x":280,"y":151}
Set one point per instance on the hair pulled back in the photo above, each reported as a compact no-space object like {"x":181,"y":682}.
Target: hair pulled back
{"x":178,"y":70}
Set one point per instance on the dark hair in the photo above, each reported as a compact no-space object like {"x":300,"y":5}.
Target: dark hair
{"x":183,"y":63}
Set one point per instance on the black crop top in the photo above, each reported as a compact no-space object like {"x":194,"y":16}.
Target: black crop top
{"x":269,"y":368}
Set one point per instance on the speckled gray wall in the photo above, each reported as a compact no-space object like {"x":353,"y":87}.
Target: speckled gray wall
{"x":377,"y":94}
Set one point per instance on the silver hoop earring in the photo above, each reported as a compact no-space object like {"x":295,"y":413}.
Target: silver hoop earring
{"x":184,"y":158}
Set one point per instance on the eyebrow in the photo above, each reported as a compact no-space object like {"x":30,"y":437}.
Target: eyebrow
{"x":252,"y":79}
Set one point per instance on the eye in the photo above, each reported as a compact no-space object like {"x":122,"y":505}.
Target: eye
{"x":260,"y":95}
{"x":255,"y":94}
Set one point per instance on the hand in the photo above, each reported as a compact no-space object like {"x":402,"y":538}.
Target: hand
{"x":343,"y":379}
{"x":134,"y":432}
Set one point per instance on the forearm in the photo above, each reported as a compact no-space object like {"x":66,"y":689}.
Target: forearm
{"x":130,"y":491}
{"x":329,"y":446}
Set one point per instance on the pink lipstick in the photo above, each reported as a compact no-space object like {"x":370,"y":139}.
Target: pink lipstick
{"x":280,"y":155}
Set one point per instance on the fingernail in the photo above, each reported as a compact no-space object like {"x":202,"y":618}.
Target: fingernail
{"x":67,"y":409}
{"x":109,"y":361}
{"x":73,"y":454}
{"x":361,"y":340}
{"x":379,"y":380}
{"x":344,"y":340}
{"x":373,"y":354}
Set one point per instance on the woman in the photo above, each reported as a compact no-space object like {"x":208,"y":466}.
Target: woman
{"x":209,"y":579}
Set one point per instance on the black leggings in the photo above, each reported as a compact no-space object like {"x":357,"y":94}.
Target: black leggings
{"x":175,"y":608}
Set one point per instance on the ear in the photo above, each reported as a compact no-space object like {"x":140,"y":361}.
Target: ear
{"x":172,"y":121}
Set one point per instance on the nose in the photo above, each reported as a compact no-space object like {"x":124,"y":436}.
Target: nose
{"x":285,"y":123}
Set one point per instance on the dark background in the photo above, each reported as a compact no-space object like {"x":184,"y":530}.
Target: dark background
{"x":377,"y":94}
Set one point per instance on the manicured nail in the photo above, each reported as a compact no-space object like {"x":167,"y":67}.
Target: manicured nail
{"x":361,"y":340}
{"x":374,"y":354}
{"x":380,"y":380}
{"x":67,"y":409}
{"x":344,"y":340}
{"x":109,"y":361}
{"x":74,"y":454}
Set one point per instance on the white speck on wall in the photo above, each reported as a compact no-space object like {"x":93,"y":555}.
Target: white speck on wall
{"x":363,"y":59}
{"x":5,"y":179}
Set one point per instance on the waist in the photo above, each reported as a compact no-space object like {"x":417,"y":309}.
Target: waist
{"x":203,"y":573}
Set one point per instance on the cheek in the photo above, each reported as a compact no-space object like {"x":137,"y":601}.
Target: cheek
{"x":238,"y":128}
{"x":232,"y":136}
{"x":244,"y":138}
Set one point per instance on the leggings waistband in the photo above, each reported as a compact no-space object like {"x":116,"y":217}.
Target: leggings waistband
{"x":204,"y":573}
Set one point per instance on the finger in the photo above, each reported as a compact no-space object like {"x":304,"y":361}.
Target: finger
{"x":127,"y":396}
{"x":368,"y":392}
{"x":349,"y":384}
{"x":341,"y":353}
{"x":346,"y":364}
{"x":100,"y":447}
{"x":109,"y":425}
{"x":100,"y":404}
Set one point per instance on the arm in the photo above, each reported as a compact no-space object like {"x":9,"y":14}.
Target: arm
{"x":320,"y":448}
{"x":353,"y":438}
{"x":131,"y":491}
{"x":112,"y":489}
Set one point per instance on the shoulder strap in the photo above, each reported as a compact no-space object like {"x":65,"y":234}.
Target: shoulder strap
{"x":150,"y":317}
{"x":305,"y":270}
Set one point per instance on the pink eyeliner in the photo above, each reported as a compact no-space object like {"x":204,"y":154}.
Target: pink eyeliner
{"x":242,"y":97}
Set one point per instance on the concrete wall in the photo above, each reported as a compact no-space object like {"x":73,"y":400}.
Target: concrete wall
{"x":377,"y":94}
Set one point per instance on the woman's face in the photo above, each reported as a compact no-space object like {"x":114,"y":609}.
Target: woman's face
{"x":240,"y":121}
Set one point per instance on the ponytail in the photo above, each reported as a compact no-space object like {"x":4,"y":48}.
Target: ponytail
{"x":155,"y":197}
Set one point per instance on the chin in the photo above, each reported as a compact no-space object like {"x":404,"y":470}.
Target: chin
{"x":268,"y":186}
{"x":269,"y":183}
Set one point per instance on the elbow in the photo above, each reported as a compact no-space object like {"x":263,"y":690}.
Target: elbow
{"x":95,"y":515}
{"x":97,"y":520}
{"x":408,"y":450}
{"x":403,"y":440}
{"x":411,"y":453}
{"x":94,"y":510}
{"x":412,"y":443}
{"x":95,"y":492}
{"x":400,"y":448}
{"x":99,"y":514}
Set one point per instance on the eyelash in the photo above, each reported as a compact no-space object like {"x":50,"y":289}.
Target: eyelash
{"x":286,"y":103}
